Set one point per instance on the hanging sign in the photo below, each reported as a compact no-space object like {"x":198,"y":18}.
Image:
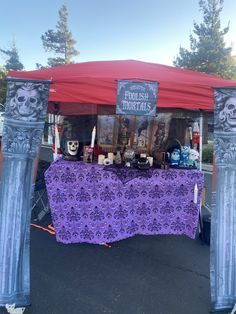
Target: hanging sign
{"x":136,"y":98}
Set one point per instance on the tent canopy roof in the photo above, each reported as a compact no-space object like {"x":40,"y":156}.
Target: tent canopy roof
{"x":88,"y":84}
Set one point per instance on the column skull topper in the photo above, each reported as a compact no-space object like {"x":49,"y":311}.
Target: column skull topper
{"x":26,"y":101}
{"x":227,"y":115}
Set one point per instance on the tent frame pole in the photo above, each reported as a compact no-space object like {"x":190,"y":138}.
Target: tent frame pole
{"x":200,"y":139}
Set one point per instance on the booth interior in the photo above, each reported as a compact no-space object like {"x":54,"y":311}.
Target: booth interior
{"x":140,"y":177}
{"x":153,"y":136}
{"x":132,"y":174}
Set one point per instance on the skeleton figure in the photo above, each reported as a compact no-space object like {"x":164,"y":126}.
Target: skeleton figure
{"x":227,"y":115}
{"x":27,"y":103}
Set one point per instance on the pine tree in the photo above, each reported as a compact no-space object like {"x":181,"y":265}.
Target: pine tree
{"x":207,"y":47}
{"x":13,"y":62}
{"x":60,"y":41}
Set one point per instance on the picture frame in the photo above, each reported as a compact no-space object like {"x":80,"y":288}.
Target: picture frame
{"x":143,"y":133}
{"x":87,"y":154}
{"x":160,"y":132}
{"x":125,"y":130}
{"x":106,"y":125}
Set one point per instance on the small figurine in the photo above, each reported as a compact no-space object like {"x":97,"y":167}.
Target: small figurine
{"x":175,"y":157}
{"x":129,"y":157}
{"x":184,"y":154}
{"x":71,"y":146}
{"x":193,"y":158}
{"x":143,"y":163}
{"x":71,"y":151}
{"x":117,"y":157}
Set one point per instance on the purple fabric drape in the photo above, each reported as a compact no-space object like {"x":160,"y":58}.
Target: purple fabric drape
{"x":90,"y":204}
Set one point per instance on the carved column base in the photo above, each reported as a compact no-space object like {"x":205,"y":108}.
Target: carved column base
{"x":223,"y":240}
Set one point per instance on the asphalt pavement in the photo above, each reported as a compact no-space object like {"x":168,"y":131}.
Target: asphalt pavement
{"x":140,"y":275}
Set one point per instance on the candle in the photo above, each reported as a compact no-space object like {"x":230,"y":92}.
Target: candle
{"x":93,"y":136}
{"x":57,"y":137}
{"x":56,"y":142}
{"x":190,"y":132}
{"x":101,"y":159}
{"x":110,"y":156}
{"x":195,"y":194}
{"x":55,"y":152}
{"x":150,"y":159}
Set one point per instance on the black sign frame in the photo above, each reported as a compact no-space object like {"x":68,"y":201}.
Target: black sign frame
{"x":136,"y":98}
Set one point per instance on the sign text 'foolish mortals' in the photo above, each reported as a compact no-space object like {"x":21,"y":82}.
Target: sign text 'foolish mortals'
{"x":136,"y":98}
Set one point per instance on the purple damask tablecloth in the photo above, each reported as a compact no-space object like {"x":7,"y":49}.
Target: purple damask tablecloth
{"x":92,"y":204}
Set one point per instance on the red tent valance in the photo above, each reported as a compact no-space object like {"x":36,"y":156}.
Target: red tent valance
{"x":95,"y":83}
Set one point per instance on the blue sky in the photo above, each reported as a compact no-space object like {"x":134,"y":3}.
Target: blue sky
{"x":150,"y":30}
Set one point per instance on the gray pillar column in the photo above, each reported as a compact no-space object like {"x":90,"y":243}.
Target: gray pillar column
{"x":223,"y":223}
{"x":26,"y":107}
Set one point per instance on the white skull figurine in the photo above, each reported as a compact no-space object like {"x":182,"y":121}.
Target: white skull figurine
{"x":72,"y":147}
{"x":228,"y":114}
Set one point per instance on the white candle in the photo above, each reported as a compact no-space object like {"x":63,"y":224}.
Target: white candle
{"x":93,"y":136}
{"x":55,"y":152}
{"x":56,"y":142}
{"x":110,"y":156}
{"x":190,"y":133}
{"x":150,"y":159}
{"x":57,"y":137}
{"x":101,"y":159}
{"x":195,"y":194}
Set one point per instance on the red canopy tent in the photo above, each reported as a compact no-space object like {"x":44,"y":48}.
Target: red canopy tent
{"x":80,"y":88}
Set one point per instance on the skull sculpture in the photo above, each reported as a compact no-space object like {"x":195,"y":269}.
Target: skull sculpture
{"x":72,"y":147}
{"x":227,"y":115}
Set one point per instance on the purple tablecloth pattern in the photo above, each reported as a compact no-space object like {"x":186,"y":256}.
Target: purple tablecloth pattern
{"x":90,"y":204}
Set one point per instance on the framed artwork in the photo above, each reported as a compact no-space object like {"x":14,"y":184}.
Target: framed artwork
{"x":88,"y":154}
{"x":161,"y":128}
{"x":106,"y":130}
{"x":125,"y":129}
{"x":143,"y":133}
